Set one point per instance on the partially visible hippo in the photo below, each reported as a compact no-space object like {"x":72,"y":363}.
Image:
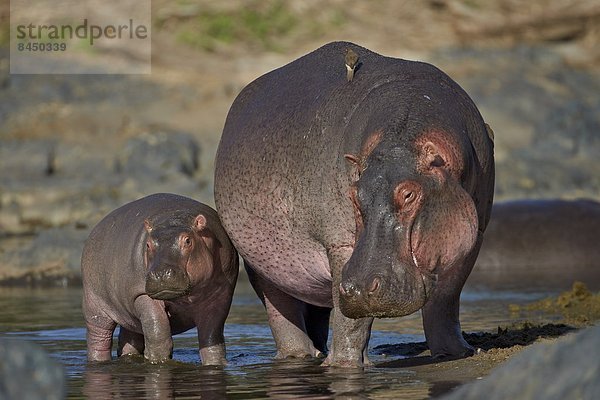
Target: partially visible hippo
{"x":540,"y":245}
{"x":367,"y":195}
{"x":158,"y":266}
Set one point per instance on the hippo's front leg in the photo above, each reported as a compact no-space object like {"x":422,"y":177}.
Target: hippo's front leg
{"x":441,"y":312}
{"x":158,"y":343}
{"x":350,"y":341}
{"x":210,"y":322}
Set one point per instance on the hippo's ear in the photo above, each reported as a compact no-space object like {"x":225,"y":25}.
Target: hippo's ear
{"x":199,"y":222}
{"x":440,"y":151}
{"x":490,"y":132}
{"x":147,"y":225}
{"x":432,"y":156}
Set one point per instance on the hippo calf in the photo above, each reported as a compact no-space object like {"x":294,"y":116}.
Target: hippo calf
{"x":158,"y":266}
{"x":367,"y":195}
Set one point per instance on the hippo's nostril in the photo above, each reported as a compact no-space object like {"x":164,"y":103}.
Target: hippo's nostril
{"x":347,"y":289}
{"x":343,"y":291}
{"x":375,"y":285}
{"x":163,"y":274}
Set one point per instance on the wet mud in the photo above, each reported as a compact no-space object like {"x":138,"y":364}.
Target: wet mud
{"x":578,"y":306}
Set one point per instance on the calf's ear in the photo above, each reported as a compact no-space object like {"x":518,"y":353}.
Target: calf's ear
{"x":199,"y":223}
{"x":148,"y":225}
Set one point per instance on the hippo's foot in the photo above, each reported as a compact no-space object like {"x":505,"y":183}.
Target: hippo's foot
{"x":308,"y":351}
{"x":444,"y":336}
{"x":157,"y":357}
{"x":455,"y":350}
{"x":213,"y":355}
{"x":346,"y":362}
{"x":441,"y":321}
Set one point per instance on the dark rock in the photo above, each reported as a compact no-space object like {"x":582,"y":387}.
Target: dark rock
{"x":28,"y":373}
{"x":52,"y":258}
{"x":568,"y":369}
{"x":159,"y":155}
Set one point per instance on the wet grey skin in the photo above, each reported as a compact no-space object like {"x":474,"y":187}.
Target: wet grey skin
{"x":350,"y":200}
{"x":158,"y":266}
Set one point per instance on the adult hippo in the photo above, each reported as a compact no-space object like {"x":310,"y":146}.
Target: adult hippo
{"x":369,"y":196}
{"x":158,"y":266}
{"x":540,"y":245}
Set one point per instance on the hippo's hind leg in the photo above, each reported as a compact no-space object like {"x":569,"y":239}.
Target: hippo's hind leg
{"x":99,"y":329}
{"x":130,"y":343}
{"x":317,"y":326}
{"x":99,"y":334}
{"x":286,"y":319}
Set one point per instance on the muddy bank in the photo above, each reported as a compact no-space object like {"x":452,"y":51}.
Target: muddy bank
{"x":578,"y":307}
{"x":522,"y":360}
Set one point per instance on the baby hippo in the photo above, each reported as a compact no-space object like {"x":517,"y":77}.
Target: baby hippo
{"x":156,"y":267}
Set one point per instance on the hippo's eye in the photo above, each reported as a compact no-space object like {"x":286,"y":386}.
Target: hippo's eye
{"x":187,"y":241}
{"x":406,"y":194}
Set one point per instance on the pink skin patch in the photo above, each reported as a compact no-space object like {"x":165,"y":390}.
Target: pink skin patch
{"x":445,"y":227}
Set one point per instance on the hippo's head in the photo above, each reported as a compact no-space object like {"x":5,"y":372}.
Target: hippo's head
{"x":415,"y":220}
{"x":177,"y":255}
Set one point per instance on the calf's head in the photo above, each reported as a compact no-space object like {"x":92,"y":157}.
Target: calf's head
{"x":415,"y":221}
{"x":178,"y":256}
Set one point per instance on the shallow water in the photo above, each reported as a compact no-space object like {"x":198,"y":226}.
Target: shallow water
{"x":52,"y":318}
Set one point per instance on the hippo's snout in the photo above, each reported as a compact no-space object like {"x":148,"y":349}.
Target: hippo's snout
{"x":385,"y":296}
{"x":167,"y":283}
{"x":350,"y":289}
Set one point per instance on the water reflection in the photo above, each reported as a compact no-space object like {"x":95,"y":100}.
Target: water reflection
{"x":136,"y":379}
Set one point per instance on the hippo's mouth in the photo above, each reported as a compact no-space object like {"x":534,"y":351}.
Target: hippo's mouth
{"x":395,"y":296}
{"x":169,"y":294}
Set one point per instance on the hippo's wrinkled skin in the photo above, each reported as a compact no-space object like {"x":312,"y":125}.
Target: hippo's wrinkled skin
{"x":158,"y":266}
{"x":367,"y":196}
